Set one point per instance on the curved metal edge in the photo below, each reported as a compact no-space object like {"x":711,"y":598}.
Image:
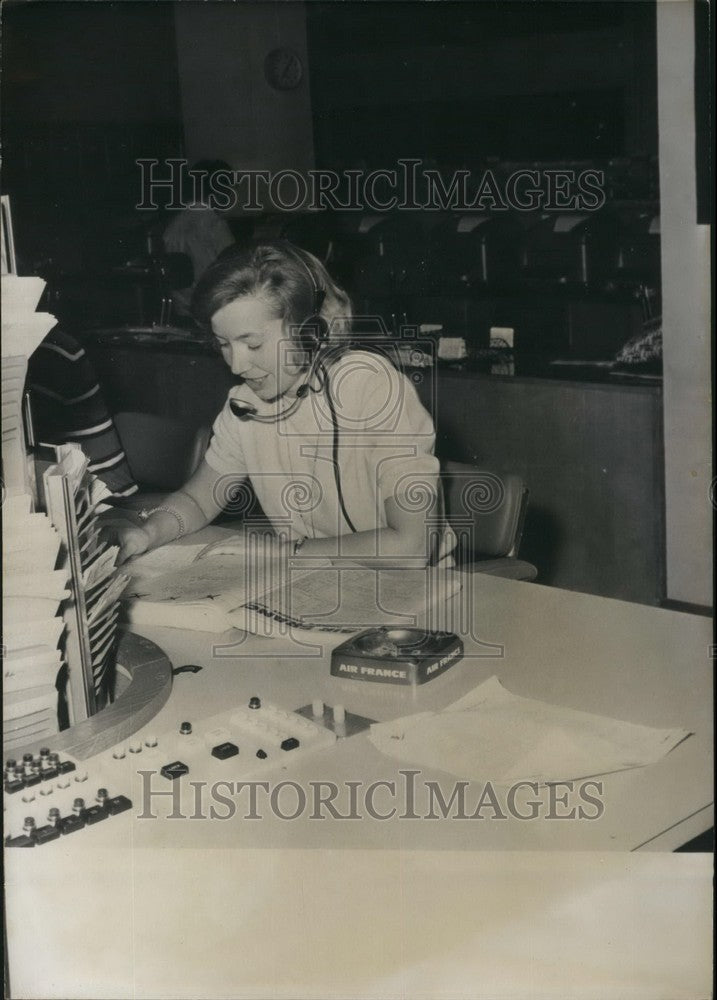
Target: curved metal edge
{"x":149,"y":688}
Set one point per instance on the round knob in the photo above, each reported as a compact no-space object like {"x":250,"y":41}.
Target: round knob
{"x":10,"y":764}
{"x":45,"y":752}
{"x":78,"y":805}
{"x":27,"y":758}
{"x":29,"y":824}
{"x":53,"y":815}
{"x":255,"y":702}
{"x":185,"y":729}
{"x":101,"y":795}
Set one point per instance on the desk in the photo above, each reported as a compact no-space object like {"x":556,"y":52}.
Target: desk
{"x":384,"y":900}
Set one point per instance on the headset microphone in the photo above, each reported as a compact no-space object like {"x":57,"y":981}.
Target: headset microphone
{"x":245,"y":411}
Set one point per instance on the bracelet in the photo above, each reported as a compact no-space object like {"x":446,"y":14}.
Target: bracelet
{"x":144,"y":515}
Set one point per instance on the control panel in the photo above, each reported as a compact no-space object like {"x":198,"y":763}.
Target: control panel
{"x":50,"y":795}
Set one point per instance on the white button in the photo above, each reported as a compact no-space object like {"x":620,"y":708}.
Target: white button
{"x":339,"y":714}
{"x":119,"y":753}
{"x":317,"y":708}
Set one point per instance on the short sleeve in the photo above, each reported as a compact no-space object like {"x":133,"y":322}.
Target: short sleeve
{"x":225,"y":454}
{"x":392,"y":418}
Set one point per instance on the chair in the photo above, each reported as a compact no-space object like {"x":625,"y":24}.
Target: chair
{"x":486,"y":512}
{"x":162,"y":452}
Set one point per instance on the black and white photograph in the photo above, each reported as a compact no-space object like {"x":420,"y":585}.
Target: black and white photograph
{"x":357,"y":384}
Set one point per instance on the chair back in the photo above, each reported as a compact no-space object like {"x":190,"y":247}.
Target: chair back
{"x":485,"y":510}
{"x":162,"y":452}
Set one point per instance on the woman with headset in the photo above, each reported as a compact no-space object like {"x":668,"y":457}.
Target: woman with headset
{"x":335,"y":443}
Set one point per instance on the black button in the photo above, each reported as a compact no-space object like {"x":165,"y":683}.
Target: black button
{"x":94,"y":815}
{"x":66,"y":766}
{"x":262,"y":754}
{"x":21,"y":841}
{"x":48,"y":772}
{"x":32,"y":779}
{"x":71,"y":823}
{"x":254,"y":702}
{"x":224,"y":750}
{"x":290,"y":744}
{"x":46,"y":833}
{"x":117,"y":805}
{"x":14,"y":786}
{"x":177,"y":769}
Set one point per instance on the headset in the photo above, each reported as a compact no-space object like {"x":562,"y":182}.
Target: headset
{"x":312,"y":335}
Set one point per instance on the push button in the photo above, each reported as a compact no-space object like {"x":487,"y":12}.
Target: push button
{"x":176,"y":769}
{"x":118,"y":804}
{"x":290,"y":744}
{"x":225,"y":750}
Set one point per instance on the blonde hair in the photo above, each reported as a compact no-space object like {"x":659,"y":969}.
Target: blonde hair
{"x":292,"y":280}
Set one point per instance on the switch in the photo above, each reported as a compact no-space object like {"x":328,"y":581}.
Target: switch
{"x":22,"y":841}
{"x":70,"y":824}
{"x":94,"y":815}
{"x":290,"y":744}
{"x":118,"y":804}
{"x":66,"y":766}
{"x":254,"y":702}
{"x":46,"y":834}
{"x":225,"y":750}
{"x":177,"y":769}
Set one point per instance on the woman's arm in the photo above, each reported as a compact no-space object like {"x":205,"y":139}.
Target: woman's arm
{"x":181,"y":513}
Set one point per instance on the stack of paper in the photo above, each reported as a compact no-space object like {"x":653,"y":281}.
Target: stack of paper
{"x":22,"y":331}
{"x":32,"y":593}
{"x":493,"y":735}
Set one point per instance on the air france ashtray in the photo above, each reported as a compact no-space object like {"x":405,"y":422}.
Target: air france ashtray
{"x":396,"y":655}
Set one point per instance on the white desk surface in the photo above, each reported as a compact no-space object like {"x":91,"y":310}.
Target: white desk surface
{"x":403,"y":908}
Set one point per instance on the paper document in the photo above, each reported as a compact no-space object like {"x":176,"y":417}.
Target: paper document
{"x":493,"y":735}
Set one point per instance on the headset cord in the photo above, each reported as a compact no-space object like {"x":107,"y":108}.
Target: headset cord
{"x":335,"y":450}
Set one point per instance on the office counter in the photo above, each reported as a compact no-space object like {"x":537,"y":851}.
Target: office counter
{"x":422,"y":907}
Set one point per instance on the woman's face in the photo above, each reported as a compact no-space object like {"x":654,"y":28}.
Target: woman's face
{"x":254,"y":345}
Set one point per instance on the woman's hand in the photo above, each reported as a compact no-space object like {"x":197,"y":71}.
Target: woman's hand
{"x":132,"y":541}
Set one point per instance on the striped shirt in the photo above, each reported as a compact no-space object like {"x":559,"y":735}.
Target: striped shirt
{"x":68,"y":406}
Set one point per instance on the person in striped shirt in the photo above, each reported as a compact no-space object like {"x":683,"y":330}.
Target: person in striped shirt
{"x":68,"y":405}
